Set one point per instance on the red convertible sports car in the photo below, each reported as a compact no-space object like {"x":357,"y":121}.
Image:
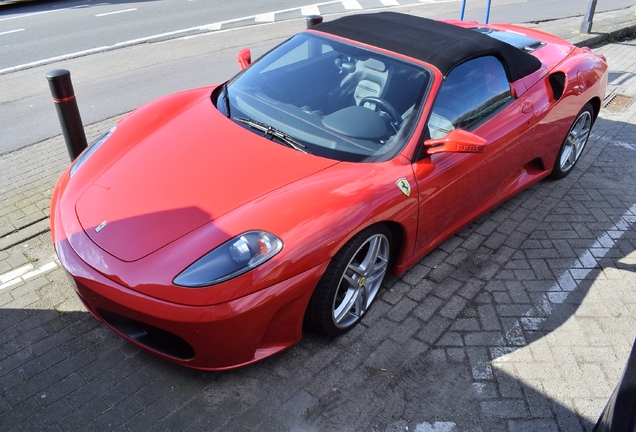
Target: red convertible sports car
{"x":211,"y":225}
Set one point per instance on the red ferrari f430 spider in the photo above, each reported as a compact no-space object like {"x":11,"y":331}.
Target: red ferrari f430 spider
{"x":212,"y":225}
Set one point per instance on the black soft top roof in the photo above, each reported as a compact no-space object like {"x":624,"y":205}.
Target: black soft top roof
{"x":440,"y":44}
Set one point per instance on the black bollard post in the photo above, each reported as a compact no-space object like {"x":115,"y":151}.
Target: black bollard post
{"x":67,"y":111}
{"x":313,"y":20}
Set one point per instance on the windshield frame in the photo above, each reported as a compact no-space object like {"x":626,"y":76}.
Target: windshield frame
{"x":405,"y":133}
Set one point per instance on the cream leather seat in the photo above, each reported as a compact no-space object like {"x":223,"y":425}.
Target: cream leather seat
{"x":373,"y":76}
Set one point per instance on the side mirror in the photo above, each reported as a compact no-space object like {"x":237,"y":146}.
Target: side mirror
{"x":457,"y":141}
{"x":244,"y":58}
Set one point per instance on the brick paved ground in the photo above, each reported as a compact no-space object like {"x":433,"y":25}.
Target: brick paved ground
{"x":27,"y":178}
{"x":520,"y":322}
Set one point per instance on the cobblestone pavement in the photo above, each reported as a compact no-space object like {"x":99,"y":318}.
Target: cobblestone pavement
{"x":521,"y":322}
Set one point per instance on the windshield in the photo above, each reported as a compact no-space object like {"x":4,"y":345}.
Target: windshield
{"x":340,"y":101}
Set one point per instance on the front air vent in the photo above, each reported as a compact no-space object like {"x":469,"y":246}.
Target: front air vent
{"x":557,"y":82}
{"x":154,"y":338}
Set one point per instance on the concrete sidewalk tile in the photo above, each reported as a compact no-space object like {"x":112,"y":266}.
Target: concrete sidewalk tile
{"x":10,"y":381}
{"x":40,"y":363}
{"x":401,"y":310}
{"x":427,"y":307}
{"x":151,"y":417}
{"x":13,"y":361}
{"x":446,"y":287}
{"x":72,"y":364}
{"x":396,"y":292}
{"x":471,"y":288}
{"x":117,"y":415}
{"x":29,"y":388}
{"x":51,"y":342}
{"x":567,"y":419}
{"x":543,"y":425}
{"x":94,"y":389}
{"x":20,"y":413}
{"x":61,"y":388}
{"x":24,"y":234}
{"x":415,"y":274}
{"x":434,"y":329}
{"x":25,"y":340}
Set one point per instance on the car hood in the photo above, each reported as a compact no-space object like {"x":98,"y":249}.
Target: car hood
{"x":195,"y":167}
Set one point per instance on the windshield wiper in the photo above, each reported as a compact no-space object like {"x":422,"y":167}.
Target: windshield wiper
{"x":227,"y":100}
{"x":274,"y":133}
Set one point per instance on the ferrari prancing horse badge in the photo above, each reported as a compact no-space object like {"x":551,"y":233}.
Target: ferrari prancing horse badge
{"x":404,"y":186}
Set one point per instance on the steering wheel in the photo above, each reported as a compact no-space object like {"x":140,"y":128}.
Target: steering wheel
{"x":386,"y":107}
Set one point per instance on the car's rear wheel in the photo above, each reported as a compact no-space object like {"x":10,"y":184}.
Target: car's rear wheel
{"x":350,"y":283}
{"x":574,"y":143}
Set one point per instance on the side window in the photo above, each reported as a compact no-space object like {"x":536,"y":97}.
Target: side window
{"x":470,"y":93}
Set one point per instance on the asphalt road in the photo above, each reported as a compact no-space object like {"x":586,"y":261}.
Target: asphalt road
{"x":108,"y":84}
{"x":30,"y":32}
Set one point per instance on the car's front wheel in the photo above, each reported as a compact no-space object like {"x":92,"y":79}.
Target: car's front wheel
{"x":350,"y":283}
{"x":574,"y":143}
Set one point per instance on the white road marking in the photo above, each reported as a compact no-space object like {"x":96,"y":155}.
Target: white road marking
{"x":266,"y":17}
{"x":213,"y":27}
{"x":15,"y":273}
{"x":482,"y":370}
{"x":567,"y":282}
{"x":11,"y":31}
{"x":626,"y":145}
{"x":44,"y":268}
{"x":435,"y":427}
{"x":116,"y":12}
{"x":351,"y":4}
{"x":390,"y":2}
{"x":55,"y":59}
{"x":589,"y":258}
{"x":41,"y":12}
{"x":21,"y":274}
{"x":309,"y":10}
{"x":10,"y":283}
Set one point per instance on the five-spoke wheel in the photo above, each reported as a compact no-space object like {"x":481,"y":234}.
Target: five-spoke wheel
{"x":574,"y":143}
{"x":351,"y":282}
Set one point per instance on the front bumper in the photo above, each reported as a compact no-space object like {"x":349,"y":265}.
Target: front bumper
{"x":216,"y":337}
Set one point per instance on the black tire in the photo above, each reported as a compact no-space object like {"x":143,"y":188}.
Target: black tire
{"x":574,"y":143}
{"x":349,"y":286}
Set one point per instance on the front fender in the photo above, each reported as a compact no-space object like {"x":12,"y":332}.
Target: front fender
{"x":314,"y":218}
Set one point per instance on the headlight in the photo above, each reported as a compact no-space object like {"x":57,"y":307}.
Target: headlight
{"x":90,"y":150}
{"x":232,"y":258}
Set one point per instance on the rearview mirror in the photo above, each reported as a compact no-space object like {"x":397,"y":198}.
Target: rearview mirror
{"x":244,"y":58}
{"x":457,"y":141}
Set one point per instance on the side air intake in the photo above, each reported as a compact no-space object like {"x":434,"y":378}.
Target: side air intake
{"x":557,"y":82}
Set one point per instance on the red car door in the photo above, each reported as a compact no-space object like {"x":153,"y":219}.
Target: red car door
{"x":454,"y":188}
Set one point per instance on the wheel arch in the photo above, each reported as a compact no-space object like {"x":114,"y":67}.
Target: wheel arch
{"x":398,"y":235}
{"x":319,"y":311}
{"x":596,"y":105}
{"x":397,"y":244}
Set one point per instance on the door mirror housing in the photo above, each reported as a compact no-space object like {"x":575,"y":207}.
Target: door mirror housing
{"x":244,"y":58}
{"x":457,"y":141}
